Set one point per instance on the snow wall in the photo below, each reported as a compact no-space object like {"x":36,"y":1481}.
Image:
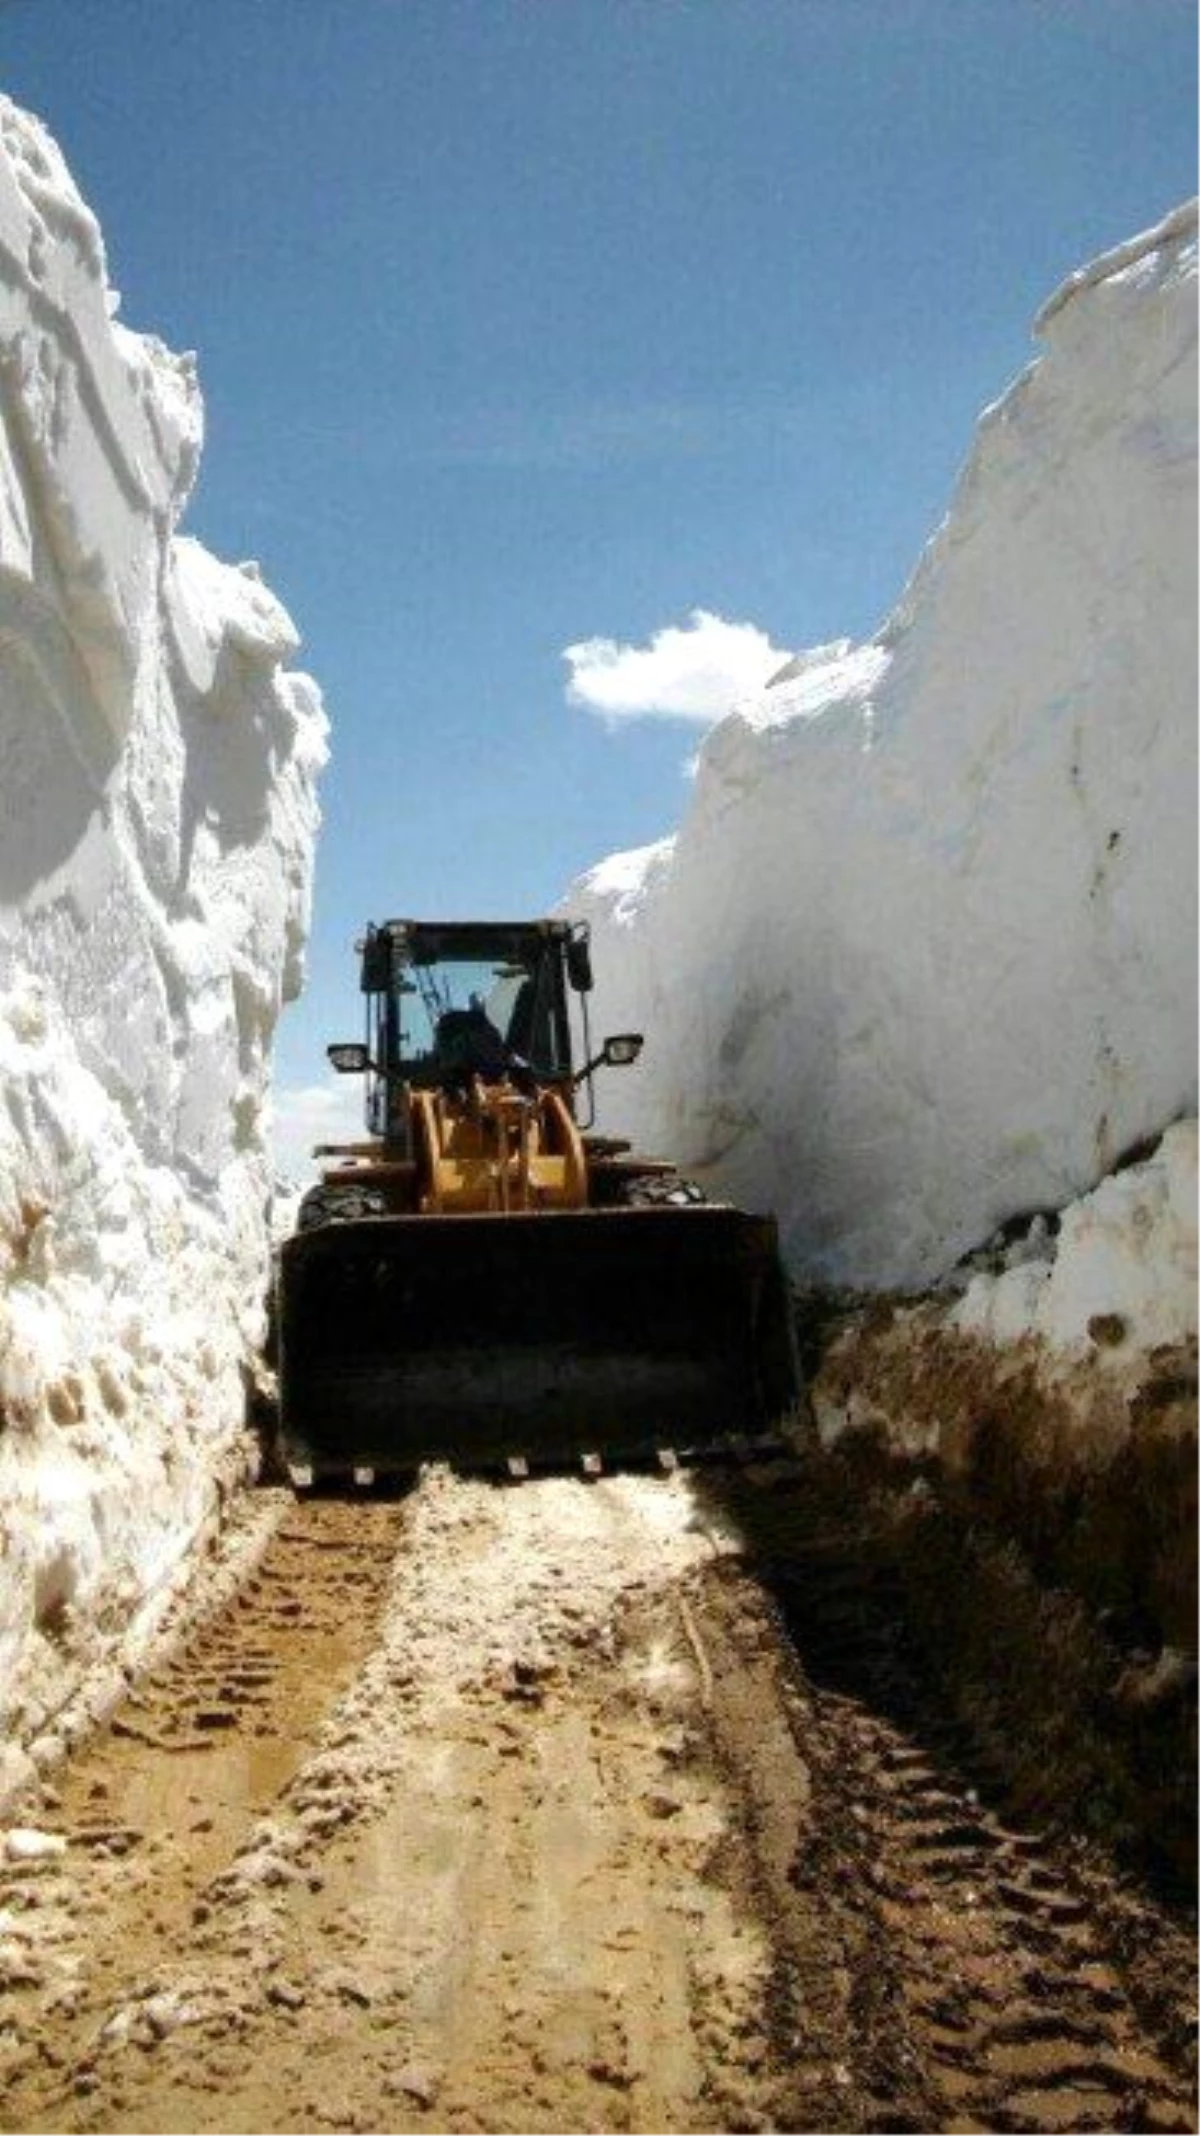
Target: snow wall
{"x":922,"y":955}
{"x":157,"y":821}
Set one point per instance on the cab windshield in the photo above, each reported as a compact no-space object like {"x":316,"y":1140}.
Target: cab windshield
{"x":507,"y":1004}
{"x":428,"y":992}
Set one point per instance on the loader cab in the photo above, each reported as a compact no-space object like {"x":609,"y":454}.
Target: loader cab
{"x":444,"y":996}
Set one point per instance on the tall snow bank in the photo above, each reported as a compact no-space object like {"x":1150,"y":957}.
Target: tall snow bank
{"x":157,"y":819}
{"x":922,"y":955}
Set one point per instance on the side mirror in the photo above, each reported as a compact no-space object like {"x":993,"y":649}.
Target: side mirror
{"x":622,"y":1050}
{"x":348,"y":1060}
{"x":579,"y":964}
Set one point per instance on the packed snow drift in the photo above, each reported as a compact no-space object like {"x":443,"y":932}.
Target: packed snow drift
{"x":157,"y":772}
{"x":922,"y":956}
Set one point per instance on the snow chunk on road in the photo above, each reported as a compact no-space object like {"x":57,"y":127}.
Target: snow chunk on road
{"x":919,"y":959}
{"x":25,"y":1844}
{"x":158,"y":804}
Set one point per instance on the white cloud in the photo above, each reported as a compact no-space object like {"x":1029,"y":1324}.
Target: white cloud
{"x":320,"y":1112}
{"x":697,"y":671}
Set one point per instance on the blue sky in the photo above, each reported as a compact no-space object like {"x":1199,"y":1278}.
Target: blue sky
{"x":525,"y":322}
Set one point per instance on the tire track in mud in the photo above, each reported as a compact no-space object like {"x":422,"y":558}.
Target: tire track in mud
{"x":991,"y":1979}
{"x":482,"y":1887}
{"x":997,"y":1979}
{"x":154,"y":1806}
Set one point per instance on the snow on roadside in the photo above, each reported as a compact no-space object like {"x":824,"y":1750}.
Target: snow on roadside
{"x":159,"y":767}
{"x":1118,"y":1281}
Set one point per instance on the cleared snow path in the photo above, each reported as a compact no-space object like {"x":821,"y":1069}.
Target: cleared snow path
{"x":516,"y":1810}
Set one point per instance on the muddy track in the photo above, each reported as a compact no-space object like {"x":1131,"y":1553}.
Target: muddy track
{"x":992,"y":1990}
{"x":159,"y":1802}
{"x":561,"y":1807}
{"x":1031,"y":1984}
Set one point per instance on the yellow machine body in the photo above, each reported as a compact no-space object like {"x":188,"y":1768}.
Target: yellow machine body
{"x":498,"y":1149}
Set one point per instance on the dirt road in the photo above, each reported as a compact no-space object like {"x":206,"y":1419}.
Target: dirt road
{"x":523,"y":1809}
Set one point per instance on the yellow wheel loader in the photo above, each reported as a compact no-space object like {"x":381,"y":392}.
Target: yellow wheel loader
{"x":486,"y":1281}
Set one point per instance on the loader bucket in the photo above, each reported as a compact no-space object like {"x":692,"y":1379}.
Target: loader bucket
{"x":530,"y":1338}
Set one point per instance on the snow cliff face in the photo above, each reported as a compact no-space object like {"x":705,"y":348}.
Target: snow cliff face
{"x":922,"y":955}
{"x":157,"y":820}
